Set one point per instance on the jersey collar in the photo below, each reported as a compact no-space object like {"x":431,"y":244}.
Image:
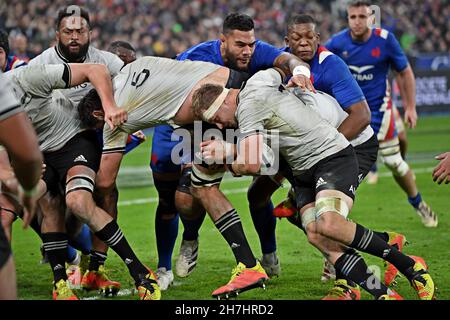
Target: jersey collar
{"x":60,"y":55}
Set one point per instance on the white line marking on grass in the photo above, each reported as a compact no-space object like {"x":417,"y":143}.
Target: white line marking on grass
{"x":121,"y":293}
{"x":243,"y":190}
{"x":153,"y":200}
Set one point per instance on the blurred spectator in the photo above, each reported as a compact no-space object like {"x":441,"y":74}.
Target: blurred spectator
{"x":167,"y":27}
{"x":19,"y":46}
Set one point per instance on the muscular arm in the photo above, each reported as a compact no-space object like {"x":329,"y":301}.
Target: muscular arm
{"x":407,"y":85}
{"x":357,"y":121}
{"x":287,"y":63}
{"x":99,"y":76}
{"x":248,"y":161}
{"x":18,"y":137}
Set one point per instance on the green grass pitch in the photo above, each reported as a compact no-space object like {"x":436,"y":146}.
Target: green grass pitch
{"x":380,"y":207}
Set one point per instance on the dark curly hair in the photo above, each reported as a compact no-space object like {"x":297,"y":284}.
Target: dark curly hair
{"x":4,"y":43}
{"x":238,"y":21}
{"x":91,"y":102}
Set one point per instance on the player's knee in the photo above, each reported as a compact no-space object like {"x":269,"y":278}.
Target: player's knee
{"x":313,"y":236}
{"x":81,"y":203}
{"x":104,"y":185}
{"x":166,"y":194}
{"x":184,"y":203}
{"x":326,"y":225}
{"x":392,"y":158}
{"x":328,"y":210}
{"x":396,"y":164}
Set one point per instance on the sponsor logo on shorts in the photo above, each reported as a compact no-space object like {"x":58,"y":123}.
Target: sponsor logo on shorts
{"x":360,"y":177}
{"x":352,"y":189}
{"x":80,"y":158}
{"x":320,"y":182}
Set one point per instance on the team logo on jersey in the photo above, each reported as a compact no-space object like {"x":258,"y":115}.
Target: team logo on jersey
{"x":376,"y":52}
{"x":358,"y":72}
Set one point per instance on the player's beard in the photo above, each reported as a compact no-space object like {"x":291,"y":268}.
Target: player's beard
{"x":72,"y":56}
{"x":232,"y":64}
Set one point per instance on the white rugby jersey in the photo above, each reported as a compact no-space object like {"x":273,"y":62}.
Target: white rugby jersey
{"x":54,"y":56}
{"x":152,"y":90}
{"x":9,"y":105}
{"x":54,"y":117}
{"x":330,"y":110}
{"x":304,"y":137}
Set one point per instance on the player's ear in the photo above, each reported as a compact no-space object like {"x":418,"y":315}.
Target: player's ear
{"x":286,"y":41}
{"x":57,"y":35}
{"x":222,"y":38}
{"x":99,"y":114}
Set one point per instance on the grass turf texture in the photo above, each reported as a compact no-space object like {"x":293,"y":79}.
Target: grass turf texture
{"x":380,"y":207}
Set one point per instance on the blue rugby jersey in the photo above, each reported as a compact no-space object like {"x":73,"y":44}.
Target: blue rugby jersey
{"x":13,"y":62}
{"x":263,"y":56}
{"x":369,"y":62}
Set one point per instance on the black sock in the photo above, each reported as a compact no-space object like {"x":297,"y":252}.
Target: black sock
{"x":383,"y":235}
{"x":340,"y":275}
{"x":353,"y":267}
{"x":114,"y":238}
{"x":55,"y":245}
{"x":366,"y":241}
{"x":230,"y":227}
{"x":96,"y":259}
{"x":191,"y":227}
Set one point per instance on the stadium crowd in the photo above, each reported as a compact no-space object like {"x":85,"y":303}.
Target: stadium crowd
{"x":168,"y":27}
{"x":341,"y":146}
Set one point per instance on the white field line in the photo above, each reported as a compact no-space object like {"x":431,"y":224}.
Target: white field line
{"x":121,"y":293}
{"x":244,"y":190}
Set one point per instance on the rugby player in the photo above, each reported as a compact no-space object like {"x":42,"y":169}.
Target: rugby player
{"x":73,"y":45}
{"x":158,"y":91}
{"x":238,"y":49}
{"x":324,"y":172}
{"x":330,"y":75}
{"x":370,"y":53}
{"x":72,"y":157}
{"x":18,"y":137}
{"x":8,"y":62}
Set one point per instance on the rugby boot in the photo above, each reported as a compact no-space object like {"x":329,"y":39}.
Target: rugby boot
{"x":242,"y":279}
